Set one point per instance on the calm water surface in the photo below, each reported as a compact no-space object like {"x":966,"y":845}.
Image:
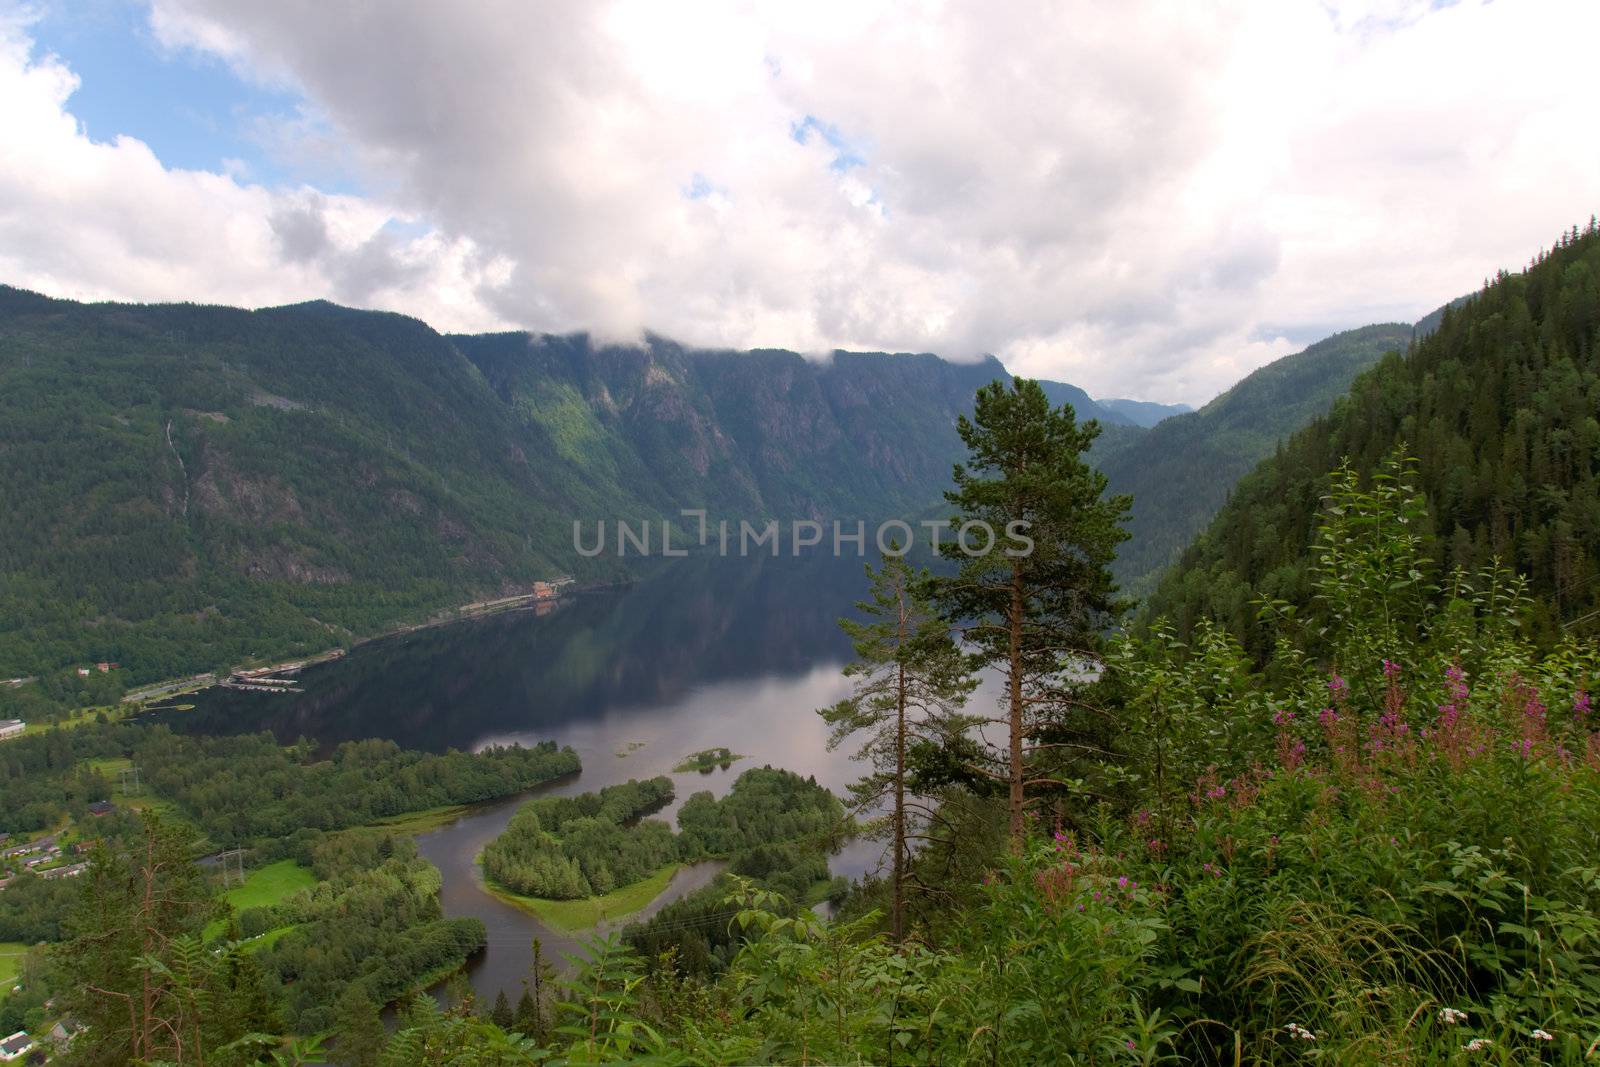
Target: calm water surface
{"x":734,"y":653}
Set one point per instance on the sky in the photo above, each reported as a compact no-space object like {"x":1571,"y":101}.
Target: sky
{"x":1143,"y":199}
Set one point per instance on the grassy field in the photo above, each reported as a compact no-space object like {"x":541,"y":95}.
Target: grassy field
{"x":77,"y":718}
{"x":270,"y":884}
{"x":10,"y":962}
{"x":264,"y":886}
{"x":111,"y":768}
{"x":585,"y":914}
{"x":270,"y":938}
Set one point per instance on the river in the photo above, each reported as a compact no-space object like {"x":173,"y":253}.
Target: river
{"x":735,"y":653}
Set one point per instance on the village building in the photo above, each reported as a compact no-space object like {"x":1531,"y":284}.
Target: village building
{"x":16,"y":1046}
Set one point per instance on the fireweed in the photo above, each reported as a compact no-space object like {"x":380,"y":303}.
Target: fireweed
{"x":1435,"y":849}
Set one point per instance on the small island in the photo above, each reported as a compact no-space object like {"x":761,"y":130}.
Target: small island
{"x":579,"y":862}
{"x":707,"y":760}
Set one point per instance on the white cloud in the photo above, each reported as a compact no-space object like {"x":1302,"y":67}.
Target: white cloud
{"x":1145,"y":201}
{"x":108,"y":221}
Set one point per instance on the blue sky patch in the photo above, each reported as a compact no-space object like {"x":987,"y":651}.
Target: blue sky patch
{"x":192,"y":110}
{"x":847,"y":155}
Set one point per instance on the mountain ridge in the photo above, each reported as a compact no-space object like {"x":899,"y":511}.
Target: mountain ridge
{"x":1181,"y":470}
{"x":210,"y":483}
{"x":1496,"y":403}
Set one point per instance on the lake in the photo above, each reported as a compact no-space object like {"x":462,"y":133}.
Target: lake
{"x":706,"y":653}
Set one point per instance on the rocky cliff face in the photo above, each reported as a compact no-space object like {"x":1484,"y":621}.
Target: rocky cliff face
{"x":756,"y":433}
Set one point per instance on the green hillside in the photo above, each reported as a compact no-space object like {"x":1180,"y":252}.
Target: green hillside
{"x":1181,"y":470}
{"x":195,"y":484}
{"x":1499,"y":406}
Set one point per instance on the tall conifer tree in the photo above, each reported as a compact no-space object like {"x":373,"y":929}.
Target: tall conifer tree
{"x":1034,"y":599}
{"x":910,"y":679}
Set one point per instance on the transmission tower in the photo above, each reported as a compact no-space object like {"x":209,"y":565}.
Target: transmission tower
{"x":236,"y":866}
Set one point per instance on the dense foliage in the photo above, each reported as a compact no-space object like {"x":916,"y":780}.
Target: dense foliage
{"x":1498,"y":406}
{"x":372,"y":921}
{"x":134,"y":970}
{"x":44,"y":777}
{"x":563,"y":848}
{"x":764,"y":806}
{"x":32,"y":908}
{"x":243,"y":789}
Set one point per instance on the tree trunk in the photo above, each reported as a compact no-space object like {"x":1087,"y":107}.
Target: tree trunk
{"x":1014,"y":677}
{"x":898,"y":917}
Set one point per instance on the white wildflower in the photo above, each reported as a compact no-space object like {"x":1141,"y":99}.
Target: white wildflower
{"x":1451,"y":1016}
{"x":1541,"y":1035}
{"x":1477,"y":1044}
{"x":1296,"y":1030}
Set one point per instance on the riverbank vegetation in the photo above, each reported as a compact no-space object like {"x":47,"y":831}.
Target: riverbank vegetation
{"x":568,"y":848}
{"x":556,"y":852}
{"x":587,"y":913}
{"x":325,"y":914}
{"x":372,"y":920}
{"x":247,"y":789}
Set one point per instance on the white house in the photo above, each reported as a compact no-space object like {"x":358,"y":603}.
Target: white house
{"x":11,"y":728}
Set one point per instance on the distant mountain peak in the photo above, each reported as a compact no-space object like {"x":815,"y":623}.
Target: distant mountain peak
{"x":1143,"y":412}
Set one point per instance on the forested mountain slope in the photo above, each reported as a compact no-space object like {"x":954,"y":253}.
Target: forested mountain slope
{"x":194,"y":485}
{"x":1499,"y":405}
{"x":745,"y":434}
{"x":1181,"y":470}
{"x":187,"y":485}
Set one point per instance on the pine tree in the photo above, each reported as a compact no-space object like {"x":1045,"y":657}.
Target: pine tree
{"x":525,"y":1020}
{"x":1034,"y":591}
{"x":910,"y":680}
{"x":134,"y":968}
{"x":501,"y":1014}
{"x":532,"y":1017}
{"x":360,"y":1029}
